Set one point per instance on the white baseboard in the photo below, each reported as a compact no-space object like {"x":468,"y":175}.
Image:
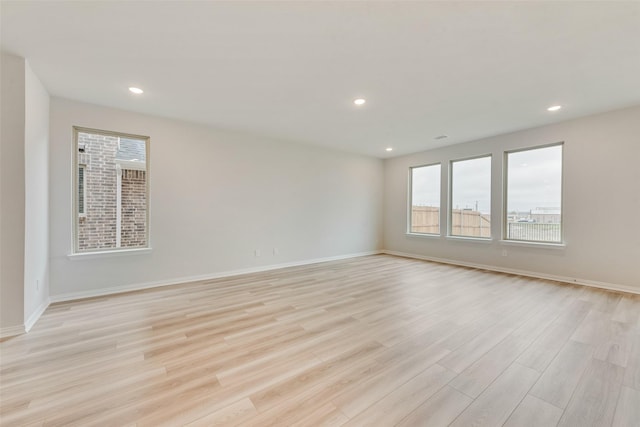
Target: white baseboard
{"x":28,"y":324}
{"x":20,"y":329}
{"x":575,"y":281}
{"x":176,"y":281}
{"x":11,"y":331}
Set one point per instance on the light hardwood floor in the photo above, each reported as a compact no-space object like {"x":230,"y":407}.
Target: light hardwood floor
{"x":371,"y":341}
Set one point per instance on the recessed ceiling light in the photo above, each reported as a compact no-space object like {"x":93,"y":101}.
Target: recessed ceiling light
{"x":359,"y":101}
{"x":389,"y":149}
{"x":441,"y":137}
{"x":136,"y":90}
{"x":554,"y":108}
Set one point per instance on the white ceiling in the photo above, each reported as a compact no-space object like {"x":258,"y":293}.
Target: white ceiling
{"x":292,"y":69}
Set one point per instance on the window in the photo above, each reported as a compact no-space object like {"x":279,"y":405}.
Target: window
{"x":534,"y":195}
{"x":112,"y":197}
{"x":425,"y":200}
{"x":82,"y":194}
{"x":470,"y":206}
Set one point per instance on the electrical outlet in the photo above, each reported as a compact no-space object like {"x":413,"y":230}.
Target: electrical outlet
{"x":37,"y":285}
{"x":504,"y":252}
{"x":275,"y":251}
{"x":256,"y":252}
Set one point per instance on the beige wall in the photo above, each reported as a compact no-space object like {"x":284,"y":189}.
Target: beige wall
{"x":24,"y":196}
{"x":36,"y":238}
{"x":216,"y":197}
{"x":601,"y":186}
{"x":12,"y":150}
{"x":233,"y":194}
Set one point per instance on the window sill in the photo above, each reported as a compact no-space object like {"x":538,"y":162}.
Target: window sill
{"x":533,"y":244}
{"x":109,"y":253}
{"x":427,"y":235}
{"x":470,"y":239}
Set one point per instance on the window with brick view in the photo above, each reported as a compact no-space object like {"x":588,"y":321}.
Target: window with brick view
{"x":111,"y":201}
{"x":425,"y":200}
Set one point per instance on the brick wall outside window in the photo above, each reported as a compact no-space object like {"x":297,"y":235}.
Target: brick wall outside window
{"x":134,"y":208}
{"x":97,"y":228}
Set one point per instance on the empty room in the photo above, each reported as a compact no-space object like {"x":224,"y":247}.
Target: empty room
{"x":320,"y":213}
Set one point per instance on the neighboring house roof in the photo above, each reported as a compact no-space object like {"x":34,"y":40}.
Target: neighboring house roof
{"x":131,"y":150}
{"x":545,"y":211}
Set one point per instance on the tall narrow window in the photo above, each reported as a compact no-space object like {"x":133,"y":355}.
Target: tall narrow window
{"x":425,"y":200}
{"x":470,"y":210}
{"x":534,"y":195}
{"x":112,"y":198}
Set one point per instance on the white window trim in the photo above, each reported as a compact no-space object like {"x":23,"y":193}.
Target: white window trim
{"x":94,"y":253}
{"x":505,"y":201}
{"x":427,"y":235}
{"x":108,"y":253}
{"x":532,"y":244}
{"x":470,"y":239}
{"x":450,"y":204}
{"x":410,"y":204}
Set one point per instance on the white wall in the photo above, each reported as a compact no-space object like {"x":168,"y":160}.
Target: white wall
{"x":215,"y":198}
{"x":36,"y":238}
{"x":601,"y":202}
{"x":12,"y":186}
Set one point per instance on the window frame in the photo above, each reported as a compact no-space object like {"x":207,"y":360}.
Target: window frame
{"x":450,"y":196}
{"x":505,"y":200}
{"x":75,"y":250}
{"x":410,"y":200}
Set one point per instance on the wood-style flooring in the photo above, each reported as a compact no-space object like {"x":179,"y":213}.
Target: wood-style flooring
{"x":371,"y":341}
